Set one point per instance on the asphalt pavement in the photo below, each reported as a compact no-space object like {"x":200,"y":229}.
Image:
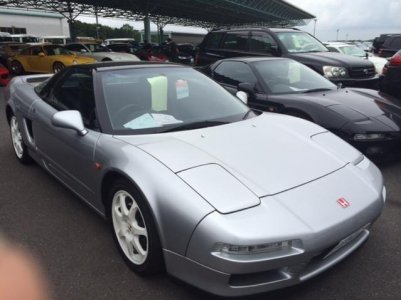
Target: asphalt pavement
{"x":75,"y":246}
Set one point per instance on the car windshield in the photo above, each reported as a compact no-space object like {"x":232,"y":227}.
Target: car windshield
{"x":155,"y":100}
{"x":300,"y":42}
{"x":97,"y":48}
{"x":56,"y":50}
{"x":353,"y":50}
{"x":285,"y":76}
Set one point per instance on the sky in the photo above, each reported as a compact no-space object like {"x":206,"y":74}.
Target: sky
{"x":354,"y":19}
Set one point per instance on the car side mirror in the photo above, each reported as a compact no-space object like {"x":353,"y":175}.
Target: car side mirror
{"x":69,"y":119}
{"x":247,"y":88}
{"x":242,"y":96}
{"x":41,"y":54}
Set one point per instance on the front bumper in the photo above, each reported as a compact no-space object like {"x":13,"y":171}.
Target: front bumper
{"x":305,"y":267}
{"x":323,"y":233}
{"x":368,"y":83}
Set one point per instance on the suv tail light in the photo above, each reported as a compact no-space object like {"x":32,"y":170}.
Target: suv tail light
{"x":396,"y":60}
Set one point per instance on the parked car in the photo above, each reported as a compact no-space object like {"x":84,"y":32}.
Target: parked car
{"x":125,"y":48}
{"x":287,"y":199}
{"x":290,"y":43}
{"x":187,"y":48}
{"x":10,"y":49}
{"x":390,"y":46}
{"x":353,"y":50}
{"x":391,"y":80}
{"x":120,"y":41}
{"x":99,"y":52}
{"x":153,"y":53}
{"x":378,"y":41}
{"x":4,"y":75}
{"x":45,"y":59}
{"x":369,"y":121}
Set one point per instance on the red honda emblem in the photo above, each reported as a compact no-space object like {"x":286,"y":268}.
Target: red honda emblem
{"x":344,"y":203}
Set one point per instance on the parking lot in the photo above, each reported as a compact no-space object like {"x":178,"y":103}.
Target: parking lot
{"x":76,"y":249}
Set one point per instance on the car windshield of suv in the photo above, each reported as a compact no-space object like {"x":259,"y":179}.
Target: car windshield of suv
{"x":56,"y":50}
{"x":300,"y":42}
{"x":155,"y":100}
{"x":353,"y":50}
{"x":285,"y":76}
{"x":97,"y":48}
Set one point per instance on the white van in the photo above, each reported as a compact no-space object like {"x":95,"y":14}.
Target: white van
{"x":55,"y":39}
{"x":25,"y":38}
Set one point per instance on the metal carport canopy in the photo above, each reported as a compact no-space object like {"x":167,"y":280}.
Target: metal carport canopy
{"x":204,"y":13}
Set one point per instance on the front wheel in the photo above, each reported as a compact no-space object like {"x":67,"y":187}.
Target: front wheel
{"x":19,"y":146}
{"x":134,"y":229}
{"x":57,"y":67}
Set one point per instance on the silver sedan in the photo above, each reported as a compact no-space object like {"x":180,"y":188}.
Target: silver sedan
{"x":228,"y":199}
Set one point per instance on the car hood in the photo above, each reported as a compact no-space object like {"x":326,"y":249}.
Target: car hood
{"x":331,"y":59}
{"x":267,"y":154}
{"x":353,"y":104}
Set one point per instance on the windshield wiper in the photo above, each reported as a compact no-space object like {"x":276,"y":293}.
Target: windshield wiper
{"x":317,"y":90}
{"x":195,"y":125}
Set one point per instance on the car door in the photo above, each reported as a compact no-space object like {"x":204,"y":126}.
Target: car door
{"x":67,"y":155}
{"x":40,"y":62}
{"x":261,"y":43}
{"x":231,"y":73}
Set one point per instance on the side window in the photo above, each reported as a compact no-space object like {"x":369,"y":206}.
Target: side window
{"x":75,"y":92}
{"x":236,"y":41}
{"x":396,"y":43}
{"x":26,"y":51}
{"x":213,"y":40}
{"x":233,"y":73}
{"x":74,"y":47}
{"x":332,"y":49}
{"x":261,"y":42}
{"x":36,"y":50}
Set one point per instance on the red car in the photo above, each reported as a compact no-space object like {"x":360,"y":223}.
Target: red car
{"x":4,"y":75}
{"x":156,"y":53}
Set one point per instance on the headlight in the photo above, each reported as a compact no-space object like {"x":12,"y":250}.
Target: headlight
{"x":181,"y":57}
{"x":335,"y":72}
{"x":227,"y":249}
{"x":74,"y":62}
{"x":370,"y":137}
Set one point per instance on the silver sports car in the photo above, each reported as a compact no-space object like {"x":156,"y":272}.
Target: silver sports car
{"x":228,"y":199}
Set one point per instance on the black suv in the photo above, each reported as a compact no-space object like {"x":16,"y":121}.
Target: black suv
{"x":291,"y":43}
{"x":390,"y":46}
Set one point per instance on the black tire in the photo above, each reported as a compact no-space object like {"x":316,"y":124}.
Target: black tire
{"x":153,"y":263}
{"x":299,"y":114}
{"x":58,"y":66}
{"x":20,"y":149}
{"x":16,"y":68}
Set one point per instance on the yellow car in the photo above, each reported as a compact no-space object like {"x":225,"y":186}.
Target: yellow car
{"x":45,"y":59}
